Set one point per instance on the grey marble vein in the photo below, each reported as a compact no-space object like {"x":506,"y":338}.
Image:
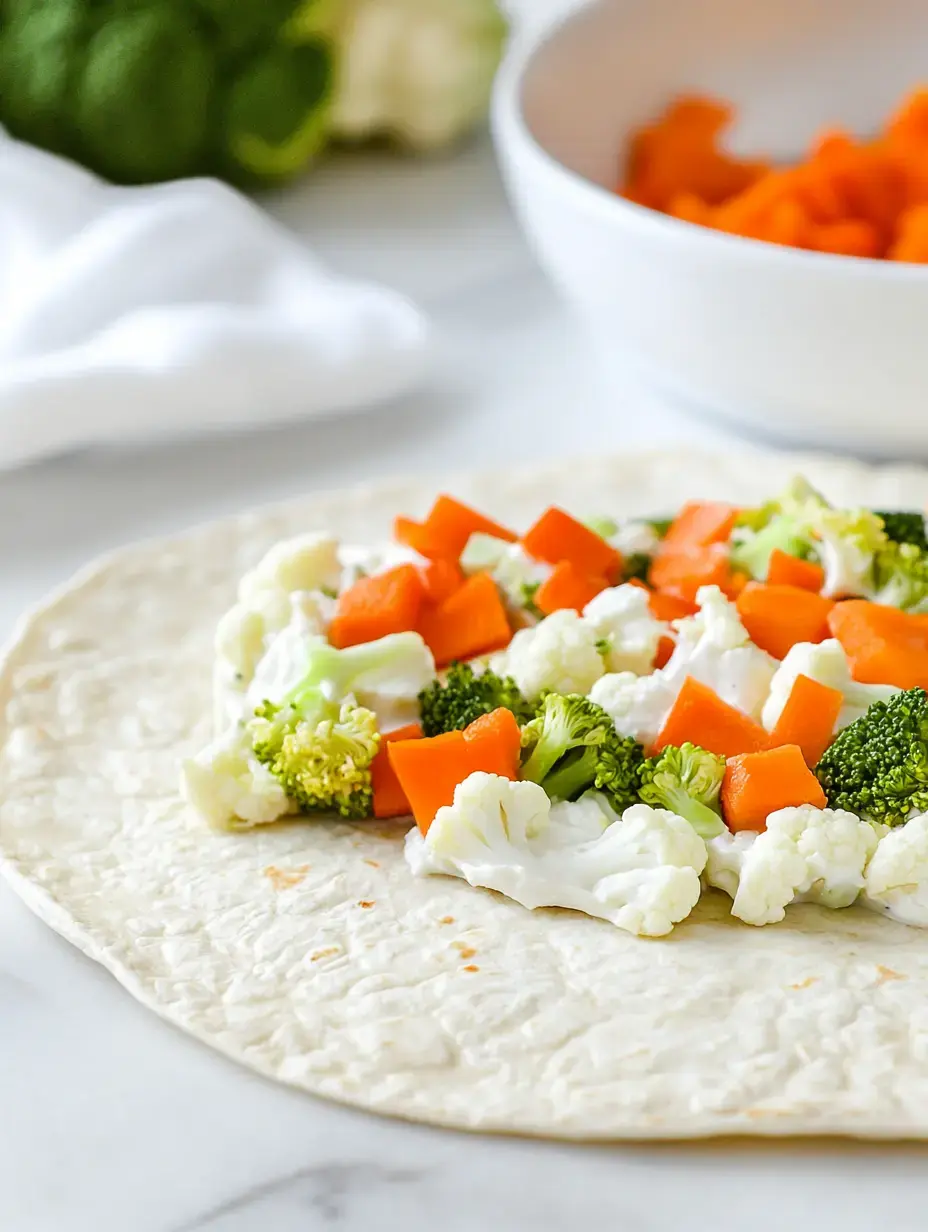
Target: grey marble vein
{"x":322,"y":1188}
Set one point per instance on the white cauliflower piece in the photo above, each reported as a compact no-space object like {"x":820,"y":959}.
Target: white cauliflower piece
{"x":634,"y":538}
{"x":897,"y":875}
{"x":640,"y":873}
{"x":229,"y":787}
{"x":558,"y":653}
{"x":804,"y":855}
{"x":827,"y":663}
{"x":286,"y":587}
{"x":637,"y":705}
{"x":305,"y":562}
{"x":621,"y":616}
{"x":713,"y":647}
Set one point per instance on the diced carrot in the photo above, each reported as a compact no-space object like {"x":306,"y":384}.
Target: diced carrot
{"x":697,"y":525}
{"x":665,"y":606}
{"x":777,"y":617}
{"x":786,"y":570}
{"x":683,"y":573}
{"x":758,"y":784}
{"x":472,"y":621}
{"x":417,"y":536}
{"x":883,"y":645}
{"x":494,"y":743}
{"x":851,"y":237}
{"x":451,"y":524}
{"x":556,"y":536}
{"x":428,"y":772}
{"x":567,"y":586}
{"x":441,"y":578}
{"x":808,"y":719}
{"x":378,"y":605}
{"x":701,"y":717}
{"x":389,"y":797}
{"x":665,"y":648}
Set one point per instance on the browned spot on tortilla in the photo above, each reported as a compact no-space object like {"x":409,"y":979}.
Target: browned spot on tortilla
{"x":373,"y":863}
{"x":366,"y":902}
{"x":471,"y":967}
{"x":886,"y":974}
{"x":446,"y":919}
{"x":806,"y":983}
{"x":326,"y":953}
{"x":757,"y":1113}
{"x":466,"y":951}
{"x":285,"y":878}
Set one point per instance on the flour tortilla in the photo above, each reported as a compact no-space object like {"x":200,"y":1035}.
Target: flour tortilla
{"x":309,"y":953}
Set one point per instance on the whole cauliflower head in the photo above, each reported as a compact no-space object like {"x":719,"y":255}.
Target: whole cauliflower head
{"x":897,"y":875}
{"x":620,"y":618}
{"x":558,"y":653}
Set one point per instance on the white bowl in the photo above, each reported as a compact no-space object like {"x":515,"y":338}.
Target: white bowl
{"x":803,"y":346}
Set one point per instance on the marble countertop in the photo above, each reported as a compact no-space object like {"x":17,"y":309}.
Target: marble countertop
{"x":111,"y":1121}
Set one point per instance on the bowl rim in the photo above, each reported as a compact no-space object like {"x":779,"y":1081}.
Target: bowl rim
{"x":509,"y":128}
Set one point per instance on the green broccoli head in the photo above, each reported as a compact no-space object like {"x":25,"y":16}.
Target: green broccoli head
{"x":686,"y":780}
{"x":149,"y":90}
{"x":319,"y":751}
{"x":465,"y":696}
{"x":901,"y":577}
{"x":573,"y":746}
{"x":41,"y":47}
{"x":905,"y":526}
{"x":143,"y":93}
{"x":878,"y":766}
{"x":275,"y":114}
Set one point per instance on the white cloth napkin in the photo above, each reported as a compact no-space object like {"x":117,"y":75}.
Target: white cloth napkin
{"x":130,"y":313}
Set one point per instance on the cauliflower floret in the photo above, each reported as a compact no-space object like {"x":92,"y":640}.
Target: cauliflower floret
{"x":287,"y":587}
{"x":897,"y":875}
{"x":827,"y":663}
{"x":634,"y":538}
{"x":558,"y":653}
{"x":713,"y":646}
{"x":229,"y":787}
{"x":305,"y":562}
{"x":621,"y":617}
{"x":804,"y":855}
{"x":641,"y":873}
{"x":637,"y":705}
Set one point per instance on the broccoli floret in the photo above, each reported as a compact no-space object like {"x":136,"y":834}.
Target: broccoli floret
{"x":686,"y":780}
{"x":901,"y":577}
{"x":319,"y":751}
{"x":878,"y":766}
{"x":782,"y":524}
{"x":905,"y":526}
{"x":465,"y":696}
{"x":318,"y":742}
{"x":573,"y":746}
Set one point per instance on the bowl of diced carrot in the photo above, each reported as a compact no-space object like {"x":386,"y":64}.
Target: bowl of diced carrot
{"x":733,"y":196}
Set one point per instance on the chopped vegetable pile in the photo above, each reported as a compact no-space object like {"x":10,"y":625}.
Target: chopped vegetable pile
{"x":849,"y":196}
{"x":599,"y":714}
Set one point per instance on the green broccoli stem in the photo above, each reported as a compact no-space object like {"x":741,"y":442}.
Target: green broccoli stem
{"x":573,"y":776}
{"x":705,"y":821}
{"x":550,"y":748}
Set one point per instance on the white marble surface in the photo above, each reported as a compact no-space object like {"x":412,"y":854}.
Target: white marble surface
{"x":113,"y":1122}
